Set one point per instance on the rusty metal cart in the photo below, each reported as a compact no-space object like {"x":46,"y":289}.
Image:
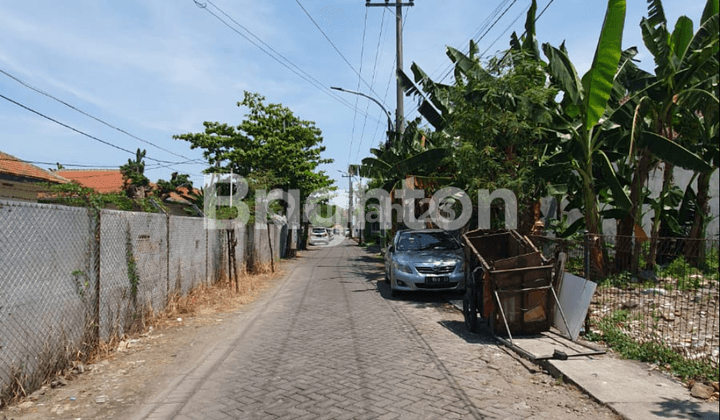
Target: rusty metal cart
{"x":511,"y":286}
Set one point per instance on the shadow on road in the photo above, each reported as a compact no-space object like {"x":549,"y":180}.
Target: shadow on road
{"x":420,"y":299}
{"x":368,"y":266}
{"x":675,"y":408}
{"x":369,"y":259}
{"x":458,"y":328}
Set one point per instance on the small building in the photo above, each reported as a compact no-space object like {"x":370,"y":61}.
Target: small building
{"x":21,"y":180}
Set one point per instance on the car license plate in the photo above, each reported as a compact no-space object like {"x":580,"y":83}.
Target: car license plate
{"x":437,"y":280}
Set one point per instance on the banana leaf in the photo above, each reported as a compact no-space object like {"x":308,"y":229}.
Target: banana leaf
{"x":674,"y":153}
{"x":598,"y":81}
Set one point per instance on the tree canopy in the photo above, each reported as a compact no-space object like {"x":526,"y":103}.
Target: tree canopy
{"x":271,"y":148}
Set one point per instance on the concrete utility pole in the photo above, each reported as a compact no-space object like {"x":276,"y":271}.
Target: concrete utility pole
{"x":400,"y":110}
{"x":349,"y":176}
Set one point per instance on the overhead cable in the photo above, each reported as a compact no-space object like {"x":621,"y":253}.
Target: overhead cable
{"x":90,"y":136}
{"x":486,"y":32}
{"x":372,"y":81}
{"x":499,"y":62}
{"x":27,"y":85}
{"x":357,"y":98}
{"x":289,"y":65}
{"x":336,"y":48}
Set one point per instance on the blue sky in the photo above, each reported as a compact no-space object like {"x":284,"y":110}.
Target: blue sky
{"x":159,"y":68}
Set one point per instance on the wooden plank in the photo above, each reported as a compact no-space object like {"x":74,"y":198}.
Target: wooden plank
{"x":524,"y":260}
{"x":539,"y":269}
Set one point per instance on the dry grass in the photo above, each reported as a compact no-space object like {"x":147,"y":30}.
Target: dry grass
{"x":220,"y":297}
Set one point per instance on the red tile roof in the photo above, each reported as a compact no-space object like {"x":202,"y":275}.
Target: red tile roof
{"x":10,"y":165}
{"x":100,"y":180}
{"x":183,"y":195}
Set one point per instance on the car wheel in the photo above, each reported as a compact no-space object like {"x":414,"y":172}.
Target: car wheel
{"x":387,"y":278}
{"x":470,"y":312}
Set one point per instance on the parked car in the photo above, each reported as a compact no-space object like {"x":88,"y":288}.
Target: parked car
{"x":429,"y":259}
{"x":319,"y":235}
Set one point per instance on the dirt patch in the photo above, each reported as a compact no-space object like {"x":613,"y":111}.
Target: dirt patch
{"x":125,"y":372}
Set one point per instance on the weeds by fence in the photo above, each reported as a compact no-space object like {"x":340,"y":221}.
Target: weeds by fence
{"x":663,"y":291}
{"x":72,"y":278}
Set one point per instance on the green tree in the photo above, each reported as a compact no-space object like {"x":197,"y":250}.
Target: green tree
{"x":686,"y":69}
{"x":412,"y":154}
{"x":490,"y":120}
{"x":271,"y":148}
{"x":176,"y":184}
{"x":498,"y":119}
{"x":133,"y":174}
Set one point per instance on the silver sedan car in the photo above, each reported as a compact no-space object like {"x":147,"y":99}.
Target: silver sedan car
{"x":429,"y":259}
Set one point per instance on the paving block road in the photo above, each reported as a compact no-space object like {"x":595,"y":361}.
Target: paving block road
{"x":329,"y":343}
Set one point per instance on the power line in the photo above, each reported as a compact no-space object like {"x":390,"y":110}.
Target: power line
{"x":486,"y":32}
{"x":299,"y":72}
{"x":336,"y":48}
{"x":58,"y":163}
{"x":90,"y":136}
{"x":27,"y":85}
{"x":494,"y":14}
{"x":478,"y":34}
{"x":499,"y":62}
{"x":362,"y":55}
{"x":390,"y":78}
{"x":525,"y":32}
{"x":504,"y":32}
{"x":108,"y":170}
{"x":372,"y":81}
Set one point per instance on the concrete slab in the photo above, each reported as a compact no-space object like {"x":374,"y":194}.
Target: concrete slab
{"x":545,"y":344}
{"x":632,"y":390}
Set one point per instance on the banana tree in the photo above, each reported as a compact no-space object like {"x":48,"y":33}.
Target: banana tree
{"x":580,"y":116}
{"x":701,"y":124}
{"x":686,"y":66}
{"x":702,"y":107}
{"x":412,"y":155}
{"x":435,"y":99}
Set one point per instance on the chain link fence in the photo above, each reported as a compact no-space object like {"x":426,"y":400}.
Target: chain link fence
{"x":133,"y":269}
{"x":187,"y":264}
{"x":659,"y":290}
{"x":46,"y":289}
{"x":70,"y":277}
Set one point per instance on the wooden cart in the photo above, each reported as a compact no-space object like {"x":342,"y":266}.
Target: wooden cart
{"x":509,"y":283}
{"x":511,"y":286}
